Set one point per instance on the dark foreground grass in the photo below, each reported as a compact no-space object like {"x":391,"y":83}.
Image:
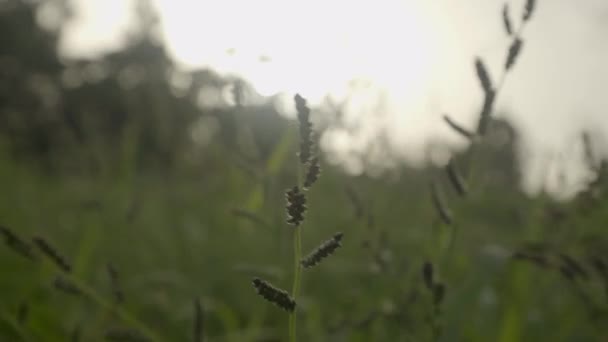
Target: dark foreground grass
{"x":127,"y":253}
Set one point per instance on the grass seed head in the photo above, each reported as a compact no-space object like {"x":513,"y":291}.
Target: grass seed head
{"x":296,"y":206}
{"x":514,"y":51}
{"x":483,"y":76}
{"x":53,"y":255}
{"x":15,"y":243}
{"x":528,"y":9}
{"x":274,"y":295}
{"x":324,"y":250}
{"x":306,"y":129}
{"x":66,"y":286}
{"x":313,"y":172}
{"x":507,"y":20}
{"x":573,"y":266}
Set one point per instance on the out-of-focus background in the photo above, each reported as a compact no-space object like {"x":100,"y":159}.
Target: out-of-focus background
{"x":159,"y":136}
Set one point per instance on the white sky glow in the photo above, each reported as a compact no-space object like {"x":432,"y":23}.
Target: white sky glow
{"x":413,"y":58}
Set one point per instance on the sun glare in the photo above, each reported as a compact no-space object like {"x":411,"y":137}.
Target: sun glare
{"x":316,"y":49}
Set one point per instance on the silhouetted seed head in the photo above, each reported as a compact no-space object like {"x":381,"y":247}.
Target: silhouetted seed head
{"x":65,"y":286}
{"x":442,"y":209}
{"x":313,"y":172}
{"x":324,"y":250}
{"x":274,"y":295}
{"x":483,"y":76}
{"x":438,"y":293}
{"x":528,"y":9}
{"x":538,"y":260}
{"x":296,"y":206}
{"x":52,"y":254}
{"x":459,"y":129}
{"x":119,"y":296}
{"x":573,"y":266}
{"x":16,"y":243}
{"x":306,"y":130}
{"x":455,"y":178}
{"x":486,"y":112}
{"x":125,"y":335}
{"x":198,"y":321}
{"x":507,"y":20}
{"x":427,"y":275}
{"x":514,"y":51}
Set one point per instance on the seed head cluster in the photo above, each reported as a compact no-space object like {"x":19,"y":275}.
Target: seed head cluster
{"x":52,"y":254}
{"x":274,"y":295}
{"x":306,"y":130}
{"x":314,"y":170}
{"x":324,"y":250}
{"x":296,"y":206}
{"x":15,"y":243}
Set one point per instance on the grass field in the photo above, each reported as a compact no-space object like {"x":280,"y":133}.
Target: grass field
{"x":118,"y":239}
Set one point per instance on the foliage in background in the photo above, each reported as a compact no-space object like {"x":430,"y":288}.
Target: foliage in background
{"x":163,"y":226}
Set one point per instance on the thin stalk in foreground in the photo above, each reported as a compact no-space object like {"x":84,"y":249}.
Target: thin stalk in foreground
{"x":297,"y":268}
{"x":297,"y":246}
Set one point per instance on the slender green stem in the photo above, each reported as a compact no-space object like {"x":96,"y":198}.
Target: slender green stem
{"x":297,"y":247}
{"x":297,"y":268}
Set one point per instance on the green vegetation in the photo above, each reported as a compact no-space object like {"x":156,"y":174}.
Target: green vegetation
{"x":118,"y":227}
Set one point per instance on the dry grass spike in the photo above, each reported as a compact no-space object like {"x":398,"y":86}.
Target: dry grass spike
{"x":514,"y":51}
{"x":296,"y":206}
{"x":528,"y":9}
{"x":52,"y":254}
{"x":483,"y":76}
{"x":324,"y":250}
{"x":64,"y":285}
{"x":15,"y":243}
{"x":313,"y":172}
{"x":274,"y":295}
{"x":306,"y":130}
{"x":506,"y":19}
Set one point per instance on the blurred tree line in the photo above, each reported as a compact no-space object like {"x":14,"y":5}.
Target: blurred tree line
{"x":135,"y":105}
{"x":52,"y":107}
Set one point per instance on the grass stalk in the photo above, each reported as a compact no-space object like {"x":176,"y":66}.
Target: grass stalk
{"x":297,"y":268}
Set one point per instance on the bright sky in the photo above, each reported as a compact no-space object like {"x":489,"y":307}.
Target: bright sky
{"x":413,"y":60}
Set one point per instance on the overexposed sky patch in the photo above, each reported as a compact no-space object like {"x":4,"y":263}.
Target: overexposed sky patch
{"x":403,"y":62}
